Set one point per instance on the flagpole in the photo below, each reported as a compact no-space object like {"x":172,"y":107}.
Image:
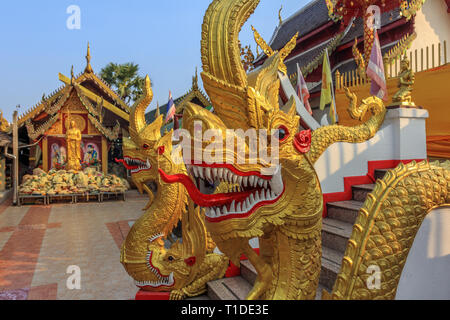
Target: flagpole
{"x":332,"y":90}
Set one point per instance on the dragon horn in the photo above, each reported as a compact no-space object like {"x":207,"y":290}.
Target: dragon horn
{"x":220,"y":37}
{"x":137,"y":114}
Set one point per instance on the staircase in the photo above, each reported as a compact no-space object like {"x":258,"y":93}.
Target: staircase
{"x":336,"y":231}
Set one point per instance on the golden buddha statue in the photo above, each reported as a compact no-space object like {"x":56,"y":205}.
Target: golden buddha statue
{"x":73,"y":139}
{"x":405,"y":85}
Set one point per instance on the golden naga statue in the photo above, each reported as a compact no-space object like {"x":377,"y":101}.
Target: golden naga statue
{"x":405,"y":85}
{"x":282,"y":204}
{"x":386,"y":227}
{"x":73,"y":139}
{"x":186,"y":267}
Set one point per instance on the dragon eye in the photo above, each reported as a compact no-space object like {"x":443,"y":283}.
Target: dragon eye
{"x":282,"y":133}
{"x":145,"y":146}
{"x":170,"y":258}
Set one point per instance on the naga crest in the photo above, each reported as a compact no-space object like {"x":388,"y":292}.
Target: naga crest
{"x":266,"y":189}
{"x":146,"y":150}
{"x":150,"y":254}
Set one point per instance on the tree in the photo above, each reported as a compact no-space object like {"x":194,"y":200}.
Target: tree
{"x":124,"y":79}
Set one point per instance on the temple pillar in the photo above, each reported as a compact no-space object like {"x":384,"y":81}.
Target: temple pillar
{"x":104,"y":155}
{"x":45,"y":154}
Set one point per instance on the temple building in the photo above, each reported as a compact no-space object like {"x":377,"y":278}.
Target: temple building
{"x":194,"y":95}
{"x":97,"y":111}
{"x":318,"y":31}
{"x":424,"y":36}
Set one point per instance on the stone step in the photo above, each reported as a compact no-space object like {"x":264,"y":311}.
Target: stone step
{"x":379,"y":173}
{"x":237,"y":288}
{"x":248,"y":272}
{"x":345,"y":211}
{"x":360,"y":192}
{"x":199,"y":298}
{"x":335,"y":234}
{"x":331,"y":265}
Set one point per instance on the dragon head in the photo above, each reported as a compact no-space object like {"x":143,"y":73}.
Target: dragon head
{"x":267,"y":191}
{"x":164,"y":269}
{"x":146,"y":150}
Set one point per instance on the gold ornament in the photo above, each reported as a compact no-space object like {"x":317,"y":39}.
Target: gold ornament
{"x":288,"y":216}
{"x":270,"y":52}
{"x":73,"y":140}
{"x":405,"y":85}
{"x":386,"y":227}
{"x":186,"y":267}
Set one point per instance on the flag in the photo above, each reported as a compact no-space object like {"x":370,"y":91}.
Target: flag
{"x":327,"y":92}
{"x":302,"y":90}
{"x":375,"y":71}
{"x":171,"y":109}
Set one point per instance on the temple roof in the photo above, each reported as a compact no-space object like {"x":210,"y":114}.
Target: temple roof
{"x":304,"y":21}
{"x":195,"y":94}
{"x":89,"y":86}
{"x":307,"y":20}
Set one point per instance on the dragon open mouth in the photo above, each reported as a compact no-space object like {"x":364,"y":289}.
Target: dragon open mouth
{"x":163,"y":281}
{"x":135,"y":165}
{"x":251,"y":190}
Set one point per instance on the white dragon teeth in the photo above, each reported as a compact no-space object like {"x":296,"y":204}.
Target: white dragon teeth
{"x":266,"y":190}
{"x":260,"y":182}
{"x":195,"y":171}
{"x":276,"y":183}
{"x":232,"y":207}
{"x":208,"y":174}
{"x":200,"y":173}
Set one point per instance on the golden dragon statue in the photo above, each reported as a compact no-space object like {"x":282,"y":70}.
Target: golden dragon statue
{"x":278,"y":201}
{"x":386,"y":227}
{"x":183,"y":269}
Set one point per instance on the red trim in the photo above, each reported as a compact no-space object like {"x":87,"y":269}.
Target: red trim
{"x":448,"y":5}
{"x":203,"y":200}
{"x":146,"y":295}
{"x":367,"y":179}
{"x":234,"y":271}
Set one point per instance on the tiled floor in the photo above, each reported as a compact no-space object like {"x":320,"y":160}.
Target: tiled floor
{"x":39,"y":243}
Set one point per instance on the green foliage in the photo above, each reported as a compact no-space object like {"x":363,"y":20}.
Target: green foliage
{"x":125,"y":80}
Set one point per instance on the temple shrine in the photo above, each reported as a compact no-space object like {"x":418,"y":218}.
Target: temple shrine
{"x":95,"y":109}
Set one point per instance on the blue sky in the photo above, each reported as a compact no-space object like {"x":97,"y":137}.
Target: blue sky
{"x":163,"y":37}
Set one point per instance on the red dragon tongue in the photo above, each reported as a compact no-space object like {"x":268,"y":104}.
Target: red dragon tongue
{"x":203,"y":200}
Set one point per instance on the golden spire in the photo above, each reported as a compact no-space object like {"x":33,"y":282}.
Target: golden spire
{"x":195,"y":79}
{"x":88,"y":61}
{"x":157,"y":114}
{"x":279,"y":15}
{"x":72,"y":76}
